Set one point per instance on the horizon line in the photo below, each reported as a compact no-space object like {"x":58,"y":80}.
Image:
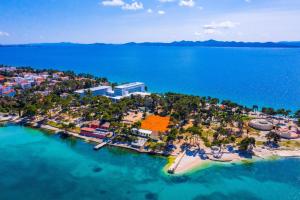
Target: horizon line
{"x":151,"y":42}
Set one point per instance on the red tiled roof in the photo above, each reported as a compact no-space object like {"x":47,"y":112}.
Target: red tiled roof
{"x":87,"y":129}
{"x":9,"y":91}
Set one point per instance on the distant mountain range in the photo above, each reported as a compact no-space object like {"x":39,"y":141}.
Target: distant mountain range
{"x":214,"y":43}
{"x":208,"y":43}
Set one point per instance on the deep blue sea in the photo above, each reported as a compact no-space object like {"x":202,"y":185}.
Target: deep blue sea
{"x":262,"y":76}
{"x":35,"y":165}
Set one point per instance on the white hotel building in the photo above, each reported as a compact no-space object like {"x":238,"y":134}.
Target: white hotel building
{"x":100,"y":90}
{"x":119,"y":92}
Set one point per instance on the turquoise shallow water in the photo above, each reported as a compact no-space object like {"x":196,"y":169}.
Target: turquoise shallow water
{"x":262,"y":76}
{"x":35,"y":165}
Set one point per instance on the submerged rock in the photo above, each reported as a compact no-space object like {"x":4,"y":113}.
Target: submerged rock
{"x":180,"y":179}
{"x":151,"y":196}
{"x":97,"y":169}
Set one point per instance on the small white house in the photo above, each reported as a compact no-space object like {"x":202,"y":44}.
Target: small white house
{"x":141,"y":132}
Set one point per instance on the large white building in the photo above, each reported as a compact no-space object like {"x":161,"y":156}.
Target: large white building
{"x":96,"y":91}
{"x":126,"y":89}
{"x":119,"y":92}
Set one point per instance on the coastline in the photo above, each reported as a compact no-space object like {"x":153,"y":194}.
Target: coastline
{"x":115,"y":168}
{"x":187,"y":164}
{"x":96,"y":141}
{"x":193,"y":164}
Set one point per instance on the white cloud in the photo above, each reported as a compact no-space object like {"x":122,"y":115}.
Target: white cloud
{"x":198,"y":33}
{"x":247,"y":28}
{"x":228,"y":24}
{"x":165,"y":1}
{"x":125,"y":6}
{"x":149,"y":10}
{"x":113,"y":3}
{"x":4,"y":34}
{"x":208,"y":32}
{"x":216,"y":28}
{"x":220,"y":25}
{"x":187,"y":3}
{"x":133,"y":6}
{"x":211,"y":31}
{"x":161,"y":12}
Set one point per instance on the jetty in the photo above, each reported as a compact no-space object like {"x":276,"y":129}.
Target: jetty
{"x":177,"y":161}
{"x":100,"y":142}
{"x":51,"y":128}
{"x":99,"y":146}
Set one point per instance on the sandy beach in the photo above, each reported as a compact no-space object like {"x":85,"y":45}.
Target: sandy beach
{"x":185,"y":163}
{"x":189,"y":163}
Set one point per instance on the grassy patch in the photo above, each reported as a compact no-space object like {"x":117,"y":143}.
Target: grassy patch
{"x":253,"y":132}
{"x":290,"y":143}
{"x":208,"y":133}
{"x":259,"y":143}
{"x":75,"y":130}
{"x":54,"y":124}
{"x":238,"y":140}
{"x":246,"y":118}
{"x":170,"y":161}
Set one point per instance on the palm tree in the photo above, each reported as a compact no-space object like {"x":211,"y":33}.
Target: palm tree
{"x":273,"y":138}
{"x":247,"y":144}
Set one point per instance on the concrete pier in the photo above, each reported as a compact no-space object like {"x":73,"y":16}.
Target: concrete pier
{"x":173,"y":167}
{"x":99,"y":146}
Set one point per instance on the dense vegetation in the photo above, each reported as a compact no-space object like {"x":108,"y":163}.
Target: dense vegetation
{"x":202,"y":112}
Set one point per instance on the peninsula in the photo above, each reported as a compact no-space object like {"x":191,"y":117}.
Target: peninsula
{"x":192,"y":131}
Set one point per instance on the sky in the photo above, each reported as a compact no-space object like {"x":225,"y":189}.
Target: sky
{"x":121,"y":21}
